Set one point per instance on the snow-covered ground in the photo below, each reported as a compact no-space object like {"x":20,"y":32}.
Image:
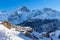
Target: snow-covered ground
{"x":20,"y":17}
{"x":7,"y":34}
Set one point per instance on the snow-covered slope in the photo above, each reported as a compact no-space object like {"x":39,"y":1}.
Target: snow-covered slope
{"x":23,"y":14}
{"x":7,"y":34}
{"x":4,"y":15}
{"x":35,"y":18}
{"x":45,"y":19}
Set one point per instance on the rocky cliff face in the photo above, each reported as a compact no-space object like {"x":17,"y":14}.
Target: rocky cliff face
{"x":42,"y":25}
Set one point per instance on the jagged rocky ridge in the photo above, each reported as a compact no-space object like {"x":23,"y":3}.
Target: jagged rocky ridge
{"x":40,"y":20}
{"x":46,"y":19}
{"x":42,"y":25}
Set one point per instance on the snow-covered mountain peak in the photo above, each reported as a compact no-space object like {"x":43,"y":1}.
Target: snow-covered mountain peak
{"x":34,"y":19}
{"x":24,"y":9}
{"x":1,"y":12}
{"x":24,"y":14}
{"x":49,"y":11}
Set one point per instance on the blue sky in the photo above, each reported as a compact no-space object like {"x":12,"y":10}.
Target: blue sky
{"x":31,"y":4}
